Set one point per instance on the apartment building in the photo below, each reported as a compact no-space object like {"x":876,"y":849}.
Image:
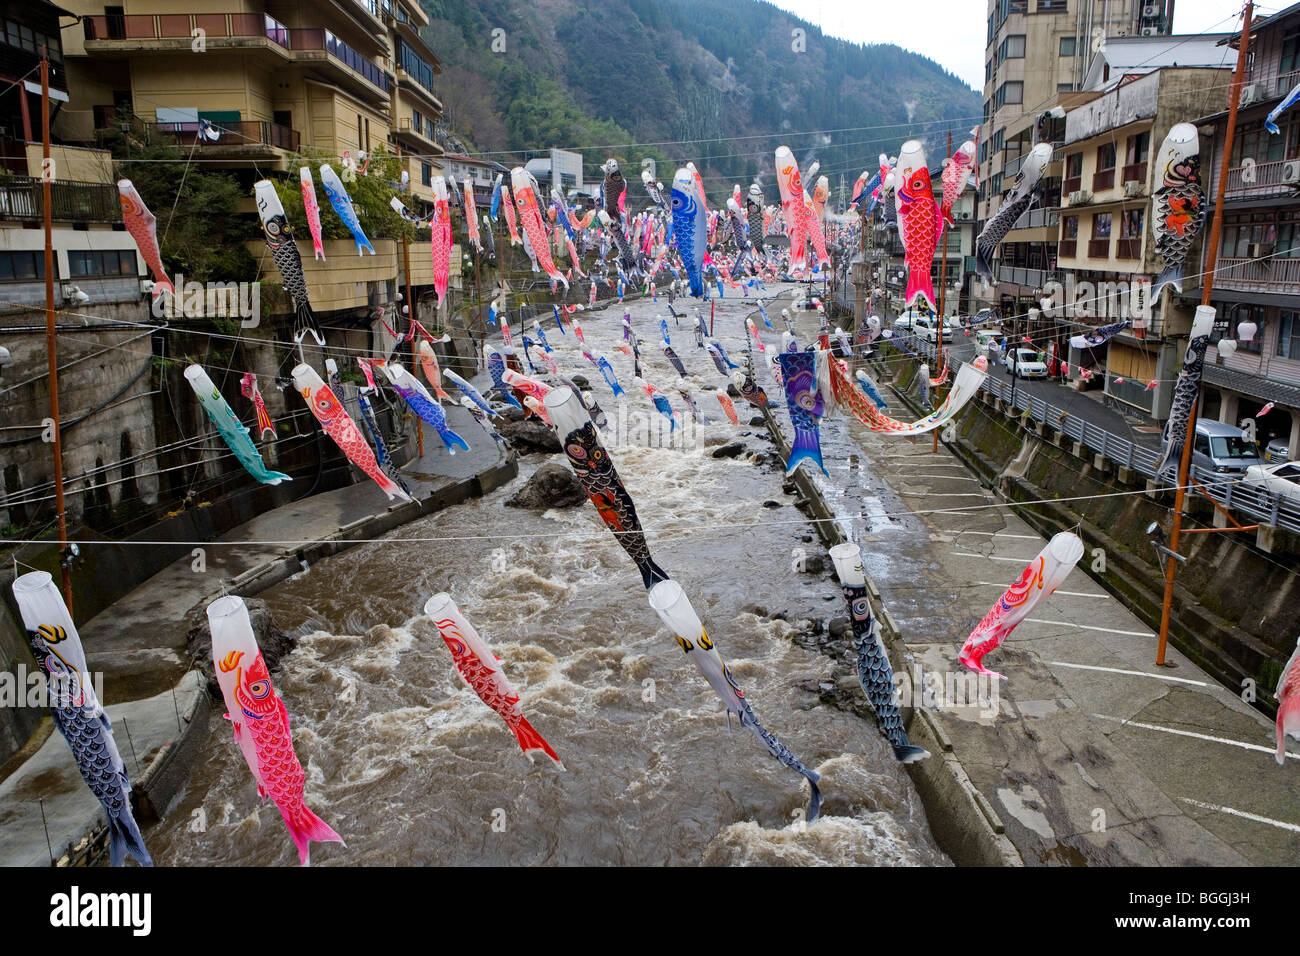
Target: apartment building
{"x":1257,"y":271}
{"x":273,"y":80}
{"x":91,"y":257}
{"x":1036,"y":50}
{"x":1106,"y":246}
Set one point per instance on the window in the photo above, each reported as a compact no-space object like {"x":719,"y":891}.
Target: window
{"x":988,"y":71}
{"x":1073,"y":165}
{"x":1290,"y":54}
{"x":101,"y":262}
{"x":1139,"y":147}
{"x":426,"y":174}
{"x":1067,"y":46}
{"x":1064,"y":87}
{"x":997,"y":141}
{"x":1101,"y":225}
{"x":416,"y":67}
{"x":417,"y":121}
{"x":996,"y":184}
{"x":1130,"y":224}
{"x":1012,"y":48}
{"x":22,"y":266}
{"x":1288,"y":339}
{"x":1070,"y":227}
{"x":1254,"y":142}
{"x":1009,"y":93}
{"x":1105,"y":156}
{"x":1053,"y":6}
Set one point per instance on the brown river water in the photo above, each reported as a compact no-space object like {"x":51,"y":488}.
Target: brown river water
{"x":411,"y":768}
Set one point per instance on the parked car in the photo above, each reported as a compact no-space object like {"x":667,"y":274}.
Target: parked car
{"x":919,"y":324}
{"x":905,"y":321}
{"x":1280,"y":479}
{"x":1025,"y":363}
{"x":1223,"y":449}
{"x":1277,"y":450}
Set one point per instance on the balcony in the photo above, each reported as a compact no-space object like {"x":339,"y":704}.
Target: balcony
{"x":1038,"y":219}
{"x":1032,"y":278}
{"x":1280,"y":276}
{"x":22,"y":199}
{"x":314,"y":40}
{"x":1067,"y":248}
{"x":1135,"y":172}
{"x":1103,"y":179}
{"x":1263,"y":180}
{"x":1128,"y":248}
{"x":1099,"y":248}
{"x":179,"y":27}
{"x":234,"y":135}
{"x":1071,"y":185}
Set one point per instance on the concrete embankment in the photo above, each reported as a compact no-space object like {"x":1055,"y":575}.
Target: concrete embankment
{"x":156,"y":698}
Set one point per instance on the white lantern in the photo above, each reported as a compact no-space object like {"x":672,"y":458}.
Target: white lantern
{"x":1246,"y":331}
{"x":1034,"y":315}
{"x":1227,"y":347}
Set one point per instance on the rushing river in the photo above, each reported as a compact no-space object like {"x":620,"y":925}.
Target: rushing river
{"x":407,"y":764}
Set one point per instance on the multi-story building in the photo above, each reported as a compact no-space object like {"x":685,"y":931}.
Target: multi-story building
{"x":275,"y":79}
{"x":1035,"y":50}
{"x":1106,"y":244}
{"x":90,"y":256}
{"x":1257,"y":271}
{"x":481,"y":172}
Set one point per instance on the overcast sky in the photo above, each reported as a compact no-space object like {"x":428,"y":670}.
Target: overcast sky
{"x":952,"y":31}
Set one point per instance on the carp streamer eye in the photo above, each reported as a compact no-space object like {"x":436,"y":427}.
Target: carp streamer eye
{"x":804,"y":400}
{"x":577,"y":451}
{"x":259,"y":689}
{"x":861,"y":608}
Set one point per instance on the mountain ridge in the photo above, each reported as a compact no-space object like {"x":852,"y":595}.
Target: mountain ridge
{"x":720,"y":82}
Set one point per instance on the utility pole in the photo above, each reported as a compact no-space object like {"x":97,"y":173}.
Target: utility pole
{"x":943,"y":281}
{"x":410,"y":324}
{"x":1207,"y":287}
{"x":51,"y":346}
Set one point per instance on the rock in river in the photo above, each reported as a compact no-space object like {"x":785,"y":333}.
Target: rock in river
{"x":552,"y":486}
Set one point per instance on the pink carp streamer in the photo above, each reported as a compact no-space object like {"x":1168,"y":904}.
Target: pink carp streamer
{"x":1041,"y":577}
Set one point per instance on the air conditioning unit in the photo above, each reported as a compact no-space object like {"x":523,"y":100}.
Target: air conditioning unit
{"x":964,"y":215}
{"x":1151,"y":31}
{"x":1080,"y":197}
{"x":1152,"y":10}
{"x":1133,"y":188}
{"x":1291,"y":172}
{"x":1249,"y":94}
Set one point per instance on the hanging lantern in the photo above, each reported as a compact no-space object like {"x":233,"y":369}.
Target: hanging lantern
{"x":1246,"y":331}
{"x":1227,"y":347}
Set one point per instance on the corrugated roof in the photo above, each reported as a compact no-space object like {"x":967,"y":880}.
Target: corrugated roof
{"x":1255,"y":386}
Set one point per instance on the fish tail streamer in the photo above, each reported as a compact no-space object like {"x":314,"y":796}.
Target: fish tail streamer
{"x":918,"y":283}
{"x":651,"y":573}
{"x":304,"y":321}
{"x":973,"y":657}
{"x":530,"y":741}
{"x":124,"y":840}
{"x":162,"y":285}
{"x":782,"y":753}
{"x":806,"y":447}
{"x":1172,"y":275}
{"x":305,"y":828}
{"x":910,"y":753}
{"x":983,"y":263}
{"x":452,"y":440}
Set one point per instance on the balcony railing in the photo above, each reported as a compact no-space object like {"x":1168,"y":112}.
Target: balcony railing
{"x":1262,"y":180}
{"x":1128,"y":248}
{"x":21,"y":198}
{"x":325,"y":40}
{"x":1259,"y":275}
{"x":1103,"y":179}
{"x":180,"y":26}
{"x":1023,"y":275}
{"x":1038,"y":219}
{"x":1067,"y":248}
{"x":1135,"y":172}
{"x":1071,"y":185}
{"x":240,"y":133}
{"x":1098,"y":248}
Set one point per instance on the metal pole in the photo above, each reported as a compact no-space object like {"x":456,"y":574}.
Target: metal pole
{"x":410,"y":318}
{"x":943,"y":281}
{"x":1207,"y":287}
{"x":51,"y":346}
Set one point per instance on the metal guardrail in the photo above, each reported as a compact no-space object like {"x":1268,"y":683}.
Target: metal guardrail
{"x":1258,"y":504}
